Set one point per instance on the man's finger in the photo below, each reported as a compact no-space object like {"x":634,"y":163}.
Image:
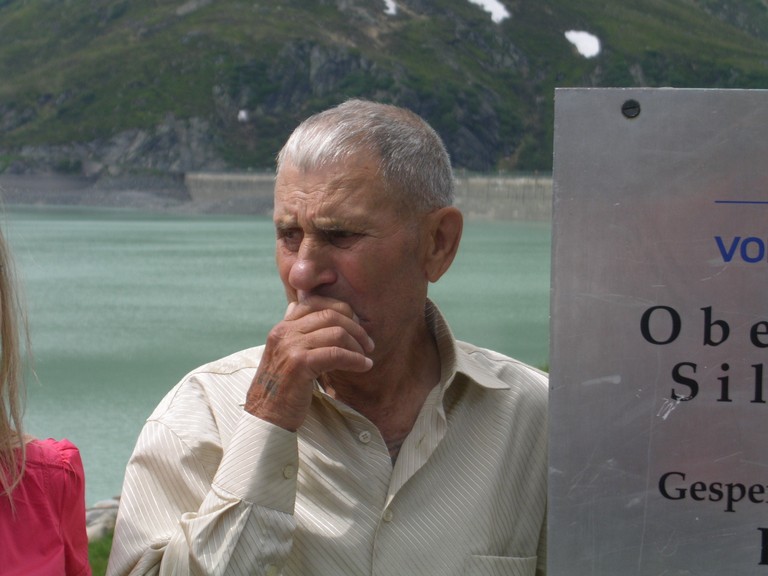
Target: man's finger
{"x":289,"y":310}
{"x":311,"y":304}
{"x":333,"y":358}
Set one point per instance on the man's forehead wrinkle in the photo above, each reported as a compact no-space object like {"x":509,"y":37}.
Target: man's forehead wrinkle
{"x":330,"y":214}
{"x":327,"y":201}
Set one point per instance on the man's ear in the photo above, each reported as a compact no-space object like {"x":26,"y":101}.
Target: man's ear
{"x":444,"y":227}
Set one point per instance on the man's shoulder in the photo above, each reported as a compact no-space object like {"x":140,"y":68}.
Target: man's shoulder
{"x":241,"y":360}
{"x":221,"y":383}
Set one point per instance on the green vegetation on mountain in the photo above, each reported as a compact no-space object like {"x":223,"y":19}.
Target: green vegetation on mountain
{"x":201,"y":84}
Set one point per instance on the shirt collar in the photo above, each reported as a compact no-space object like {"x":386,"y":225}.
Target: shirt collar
{"x":454,"y":359}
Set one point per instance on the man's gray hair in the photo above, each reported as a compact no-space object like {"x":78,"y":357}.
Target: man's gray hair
{"x":413,"y":160}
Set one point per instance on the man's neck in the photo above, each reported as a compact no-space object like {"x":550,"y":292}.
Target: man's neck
{"x":392,"y":393}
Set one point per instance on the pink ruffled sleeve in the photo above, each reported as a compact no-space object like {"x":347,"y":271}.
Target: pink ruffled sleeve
{"x":68,"y":492}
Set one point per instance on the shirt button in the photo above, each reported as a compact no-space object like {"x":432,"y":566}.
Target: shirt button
{"x":388,"y":515}
{"x":364,"y":436}
{"x":272,"y":570}
{"x":288,"y":473}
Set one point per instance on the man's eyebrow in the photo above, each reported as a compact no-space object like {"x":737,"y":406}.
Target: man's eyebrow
{"x":285,"y":222}
{"x":330,"y":225}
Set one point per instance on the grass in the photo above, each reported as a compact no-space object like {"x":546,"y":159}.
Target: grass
{"x":98,"y":555}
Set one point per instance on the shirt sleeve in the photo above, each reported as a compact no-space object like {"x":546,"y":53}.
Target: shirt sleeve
{"x":192,"y":506}
{"x":72,"y":510}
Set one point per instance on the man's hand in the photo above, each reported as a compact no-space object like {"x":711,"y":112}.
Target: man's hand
{"x":316,"y":335}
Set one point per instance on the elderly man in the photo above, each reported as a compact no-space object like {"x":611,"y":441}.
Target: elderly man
{"x":362,"y":438}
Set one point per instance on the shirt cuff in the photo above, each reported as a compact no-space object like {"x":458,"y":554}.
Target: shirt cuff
{"x":260,"y":465}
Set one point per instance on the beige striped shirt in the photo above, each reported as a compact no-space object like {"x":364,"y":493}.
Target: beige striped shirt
{"x":211,"y":489}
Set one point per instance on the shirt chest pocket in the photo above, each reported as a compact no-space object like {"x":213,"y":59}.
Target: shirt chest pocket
{"x":499,"y":566}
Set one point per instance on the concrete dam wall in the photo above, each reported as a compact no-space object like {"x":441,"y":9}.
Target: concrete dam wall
{"x":488,"y":197}
{"x":505,"y":197}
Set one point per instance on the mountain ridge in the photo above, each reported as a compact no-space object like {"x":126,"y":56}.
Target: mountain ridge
{"x":107,"y":87}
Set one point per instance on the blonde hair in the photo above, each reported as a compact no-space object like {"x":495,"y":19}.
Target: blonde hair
{"x":12,"y":394}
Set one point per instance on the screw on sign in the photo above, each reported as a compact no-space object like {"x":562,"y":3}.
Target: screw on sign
{"x":631,"y":109}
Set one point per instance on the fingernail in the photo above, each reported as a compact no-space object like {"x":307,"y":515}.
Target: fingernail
{"x":291,"y":306}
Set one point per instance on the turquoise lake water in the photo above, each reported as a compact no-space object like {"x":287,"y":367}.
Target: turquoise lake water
{"x":123,"y":304}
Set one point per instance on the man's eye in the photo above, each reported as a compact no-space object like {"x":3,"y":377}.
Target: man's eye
{"x":290,"y":237}
{"x":341,"y":238}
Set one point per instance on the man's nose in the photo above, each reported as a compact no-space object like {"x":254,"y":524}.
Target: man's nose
{"x":312,"y":268}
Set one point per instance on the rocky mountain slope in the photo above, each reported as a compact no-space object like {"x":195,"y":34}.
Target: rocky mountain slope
{"x":127,"y":86}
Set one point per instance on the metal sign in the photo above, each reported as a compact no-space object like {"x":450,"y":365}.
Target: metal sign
{"x":659,"y":333}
